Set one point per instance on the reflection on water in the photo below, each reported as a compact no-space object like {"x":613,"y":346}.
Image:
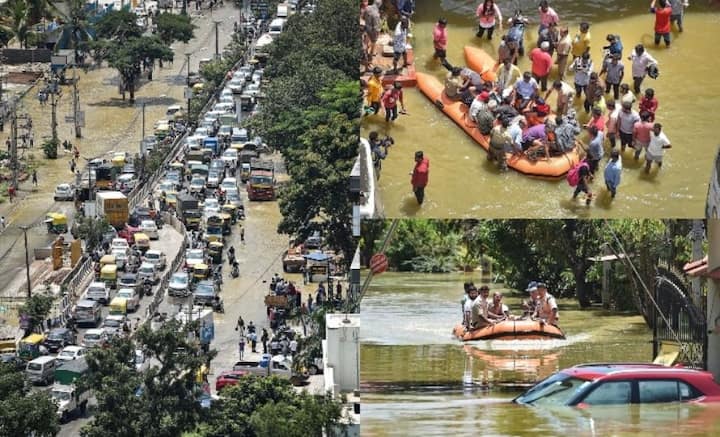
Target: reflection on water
{"x":463,"y":183}
{"x":412,"y":370}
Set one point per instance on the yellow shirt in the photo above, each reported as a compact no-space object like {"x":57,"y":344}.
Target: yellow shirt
{"x":375,"y":89}
{"x":580,"y":43}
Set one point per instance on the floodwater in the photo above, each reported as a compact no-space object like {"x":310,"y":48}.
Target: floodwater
{"x":418,"y":380}
{"x":462,"y":182}
{"x":110,"y":125}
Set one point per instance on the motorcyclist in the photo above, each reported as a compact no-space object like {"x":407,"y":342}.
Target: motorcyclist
{"x":235,"y":272}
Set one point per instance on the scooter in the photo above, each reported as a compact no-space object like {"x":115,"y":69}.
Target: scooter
{"x":218,"y":306}
{"x":147,"y":287}
{"x":235,"y":272}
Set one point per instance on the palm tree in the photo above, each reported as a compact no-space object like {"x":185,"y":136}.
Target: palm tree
{"x":15,"y":15}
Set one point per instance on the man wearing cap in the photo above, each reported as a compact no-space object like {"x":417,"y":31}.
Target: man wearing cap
{"x":541,"y":63}
{"x":530,"y":305}
{"x":440,"y":39}
{"x":420,"y":176}
{"x":375,"y":90}
{"x":547,"y":309}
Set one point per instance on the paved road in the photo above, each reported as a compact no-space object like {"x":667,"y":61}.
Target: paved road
{"x":111,"y":125}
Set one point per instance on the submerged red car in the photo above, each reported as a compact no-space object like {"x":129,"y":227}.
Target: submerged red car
{"x":622,"y":383}
{"x":229,"y":377}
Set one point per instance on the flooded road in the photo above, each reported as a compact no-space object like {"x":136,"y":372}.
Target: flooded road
{"x":110,"y":125}
{"x":462,"y":182}
{"x":412,"y":370}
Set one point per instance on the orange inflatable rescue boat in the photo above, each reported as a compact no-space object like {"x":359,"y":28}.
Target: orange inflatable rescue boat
{"x":511,"y":330}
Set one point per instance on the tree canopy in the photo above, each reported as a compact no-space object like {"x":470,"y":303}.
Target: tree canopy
{"x":36,"y":308}
{"x":173,"y":27}
{"x":22,"y":411}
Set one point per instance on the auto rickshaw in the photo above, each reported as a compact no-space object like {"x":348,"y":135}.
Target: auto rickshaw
{"x":142,"y":242}
{"x":118,"y":306}
{"x":108,"y":275}
{"x":198,"y":88}
{"x":179,"y":167}
{"x":105,"y":261}
{"x":226,"y":223}
{"x":118,"y":161}
{"x":171,"y":199}
{"x":200,"y":272}
{"x":215,"y":250}
{"x":56,"y":222}
{"x":30,"y":346}
{"x":231,"y":210}
{"x":213,"y":229}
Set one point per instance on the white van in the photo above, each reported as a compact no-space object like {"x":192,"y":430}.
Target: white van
{"x":276,"y":27}
{"x":88,"y":312}
{"x":98,"y":292}
{"x":41,"y":370}
{"x":282,"y":10}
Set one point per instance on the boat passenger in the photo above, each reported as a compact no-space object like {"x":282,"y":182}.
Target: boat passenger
{"x":498,"y":310}
{"x":479,"y":314}
{"x":547,"y":309}
{"x":530,"y":305}
{"x":470,"y":296}
{"x":525,"y":90}
{"x":453,"y":83}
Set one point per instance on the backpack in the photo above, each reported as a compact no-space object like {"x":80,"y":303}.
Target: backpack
{"x":573,"y":176}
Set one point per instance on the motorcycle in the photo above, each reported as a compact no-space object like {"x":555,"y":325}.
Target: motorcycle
{"x":218,"y":306}
{"x":235,"y":272}
{"x":147,"y":287}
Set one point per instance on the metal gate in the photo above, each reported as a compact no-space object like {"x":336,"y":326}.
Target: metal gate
{"x":677,"y":320}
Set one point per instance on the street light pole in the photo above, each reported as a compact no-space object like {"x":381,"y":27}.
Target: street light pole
{"x":217,"y":40}
{"x":27,"y":262}
{"x":187,"y":91}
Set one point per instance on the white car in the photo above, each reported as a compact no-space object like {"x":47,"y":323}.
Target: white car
{"x":64,"y":192}
{"x":179,"y":285}
{"x":197,"y":185}
{"x":226,"y":92}
{"x":253,"y":89}
{"x":236,"y":85}
{"x":148,"y":271}
{"x":121,"y":258}
{"x":194,"y":256}
{"x":229,"y":184}
{"x":131,"y":297}
{"x":71,"y":352}
{"x":230,"y":155}
{"x":166,"y":186}
{"x":149,"y":228}
{"x":119,"y":244}
{"x":126,"y":182}
{"x":201,"y":132}
{"x":113,"y":324}
{"x":211,"y":203}
{"x":98,"y":292}
{"x":213,"y":179}
{"x":95,"y":338}
{"x":155,"y":257}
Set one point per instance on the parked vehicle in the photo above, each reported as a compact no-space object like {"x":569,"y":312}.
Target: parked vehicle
{"x":229,"y":377}
{"x":615,"y":384}
{"x":277,"y":366}
{"x":41,"y":370}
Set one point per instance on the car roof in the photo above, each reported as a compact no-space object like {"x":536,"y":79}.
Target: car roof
{"x":154,"y":251}
{"x":596,"y":370}
{"x":95,"y":331}
{"x":72,"y":347}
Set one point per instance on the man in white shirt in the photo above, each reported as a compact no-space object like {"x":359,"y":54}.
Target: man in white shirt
{"x":658,"y":143}
{"x":472,"y":294}
{"x":479,"y":315}
{"x":400,"y":44}
{"x":641,"y":60}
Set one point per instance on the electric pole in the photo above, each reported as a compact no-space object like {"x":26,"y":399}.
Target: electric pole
{"x":187,"y":90}
{"x":143,"y":123}
{"x":217,"y":40}
{"x":76,"y":105}
{"x":27,"y":263}
{"x":13,"y":146}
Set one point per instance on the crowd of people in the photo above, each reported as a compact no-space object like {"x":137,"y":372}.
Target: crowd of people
{"x":480,"y":310}
{"x":509,"y":106}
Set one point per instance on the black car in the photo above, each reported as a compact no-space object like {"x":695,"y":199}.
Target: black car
{"x":59,"y":338}
{"x":205,"y":292}
{"x":13,"y":360}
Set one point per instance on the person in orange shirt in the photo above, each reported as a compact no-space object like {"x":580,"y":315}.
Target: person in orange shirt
{"x":662,"y":21}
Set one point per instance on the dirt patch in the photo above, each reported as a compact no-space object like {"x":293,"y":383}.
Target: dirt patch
{"x":22,"y":77}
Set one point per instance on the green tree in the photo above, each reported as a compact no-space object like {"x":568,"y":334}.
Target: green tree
{"x":16,"y":17}
{"x":50,"y":148}
{"x":118,"y":26}
{"x":163,"y":399}
{"x":37,"y":308}
{"x":91,"y":229}
{"x":6,"y":35}
{"x":214,"y":71}
{"x":22,"y":411}
{"x":173,"y":27}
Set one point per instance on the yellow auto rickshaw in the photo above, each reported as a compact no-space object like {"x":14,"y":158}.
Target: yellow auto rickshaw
{"x":108,"y":275}
{"x":56,"y":222}
{"x":178,"y":166}
{"x":118,"y":161}
{"x":118,"y":306}
{"x":200,"y":272}
{"x":105,"y":261}
{"x":171,"y":199}
{"x":215,"y":250}
{"x":226,"y":223}
{"x":198,"y":88}
{"x":30,"y":346}
{"x":231,"y":210}
{"x":142,"y":242}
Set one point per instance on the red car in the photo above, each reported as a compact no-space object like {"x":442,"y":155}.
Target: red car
{"x":615,"y":384}
{"x":229,"y":377}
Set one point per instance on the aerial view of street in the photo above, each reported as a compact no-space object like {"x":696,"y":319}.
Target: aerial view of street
{"x":170,"y":262}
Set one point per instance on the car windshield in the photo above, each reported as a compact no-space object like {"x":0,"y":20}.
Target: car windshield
{"x":148,"y":224}
{"x":68,"y":354}
{"x":180,"y":279}
{"x":152,"y":256}
{"x":92,"y":337}
{"x":233,"y":195}
{"x":205,"y":289}
{"x":112,"y":323}
{"x":146,"y":270}
{"x":55,"y":336}
{"x":125,"y":294}
{"x":555,"y":390}
{"x":195,"y":255}
{"x":61,"y":395}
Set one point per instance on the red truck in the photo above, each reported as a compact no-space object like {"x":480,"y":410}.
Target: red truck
{"x":261,"y":185}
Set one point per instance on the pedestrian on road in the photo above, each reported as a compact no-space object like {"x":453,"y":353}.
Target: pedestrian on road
{"x":240,"y":326}
{"x":310,"y":302}
{"x":241,"y":346}
{"x":34,"y":177}
{"x":293,"y":347}
{"x":253,"y":340}
{"x":338,"y":290}
{"x":264,"y":338}
{"x":2,"y":222}
{"x":72,"y":165}
{"x":242,"y":233}
{"x":251,"y":327}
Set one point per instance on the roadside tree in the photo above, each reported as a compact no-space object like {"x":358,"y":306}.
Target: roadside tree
{"x":24,"y":412}
{"x":173,"y":27}
{"x":36,"y":308}
{"x":91,"y":229}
